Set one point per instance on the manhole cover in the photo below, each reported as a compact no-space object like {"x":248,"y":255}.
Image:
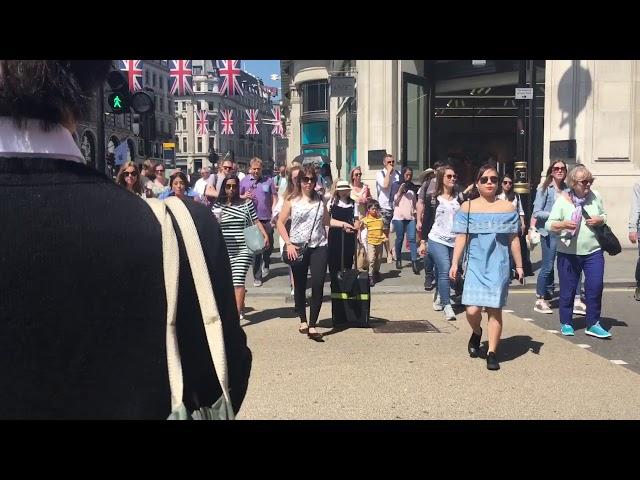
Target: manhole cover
{"x":406,"y":326}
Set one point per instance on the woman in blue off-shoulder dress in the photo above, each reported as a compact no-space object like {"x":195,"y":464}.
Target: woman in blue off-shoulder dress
{"x":487,"y":227}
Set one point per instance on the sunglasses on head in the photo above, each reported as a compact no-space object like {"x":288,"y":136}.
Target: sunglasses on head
{"x":308,"y":179}
{"x":450,"y":176}
{"x":559,"y":169}
{"x":130,"y":174}
{"x":493,"y":179}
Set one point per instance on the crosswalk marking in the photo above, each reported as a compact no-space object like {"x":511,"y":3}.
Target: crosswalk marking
{"x":619,"y":362}
{"x":553,"y":331}
{"x":530,"y":320}
{"x":583,"y":345}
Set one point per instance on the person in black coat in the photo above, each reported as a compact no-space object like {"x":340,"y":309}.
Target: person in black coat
{"x":83,"y":303}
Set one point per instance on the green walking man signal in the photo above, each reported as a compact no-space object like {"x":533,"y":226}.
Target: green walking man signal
{"x":121,"y":100}
{"x":117,"y":103}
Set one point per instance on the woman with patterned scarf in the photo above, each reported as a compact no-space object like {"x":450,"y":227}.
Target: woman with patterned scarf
{"x":579,"y":250}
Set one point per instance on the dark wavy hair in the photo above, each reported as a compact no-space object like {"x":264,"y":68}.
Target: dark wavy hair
{"x":484,"y":168}
{"x":52,"y":91}
{"x":182,"y":177}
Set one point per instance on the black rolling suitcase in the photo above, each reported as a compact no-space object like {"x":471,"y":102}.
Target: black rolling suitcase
{"x":350,"y":296}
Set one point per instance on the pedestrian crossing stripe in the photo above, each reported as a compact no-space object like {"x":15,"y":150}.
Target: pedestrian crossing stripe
{"x":619,"y":362}
{"x":345,"y":296}
{"x":583,"y":345}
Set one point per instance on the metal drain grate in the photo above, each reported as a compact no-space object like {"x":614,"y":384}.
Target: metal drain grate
{"x":406,"y":326}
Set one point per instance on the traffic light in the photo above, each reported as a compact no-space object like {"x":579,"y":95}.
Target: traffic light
{"x":121,"y":101}
{"x":119,"y":97}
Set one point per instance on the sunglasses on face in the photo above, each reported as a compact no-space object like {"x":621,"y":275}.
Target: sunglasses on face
{"x":449,"y":176}
{"x":507,"y":182}
{"x":231,"y":186}
{"x":357,"y":174}
{"x":130,"y":174}
{"x":308,"y":180}
{"x":559,"y":169}
{"x":224,"y":167}
{"x":160,"y":170}
{"x":586,"y":181}
{"x":492,"y":178}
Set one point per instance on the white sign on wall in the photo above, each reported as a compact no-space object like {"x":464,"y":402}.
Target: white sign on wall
{"x":524,"y":93}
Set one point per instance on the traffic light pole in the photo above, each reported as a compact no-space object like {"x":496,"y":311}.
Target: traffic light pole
{"x":100,"y":153}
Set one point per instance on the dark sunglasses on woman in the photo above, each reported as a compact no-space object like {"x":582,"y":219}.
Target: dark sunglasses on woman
{"x":130,"y":174}
{"x":493,"y":179}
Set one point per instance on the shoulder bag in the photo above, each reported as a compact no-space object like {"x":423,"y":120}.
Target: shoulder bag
{"x":253,"y":236}
{"x":606,"y":238}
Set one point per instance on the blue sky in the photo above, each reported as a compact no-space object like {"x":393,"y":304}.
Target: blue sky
{"x":264,"y":69}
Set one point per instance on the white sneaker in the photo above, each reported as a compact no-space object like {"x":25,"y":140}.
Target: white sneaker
{"x":242,"y":316}
{"x":265,"y":272}
{"x":579,"y":308}
{"x":257,"y":283}
{"x":542,"y":306}
{"x":449,"y":314}
{"x":437,"y":306}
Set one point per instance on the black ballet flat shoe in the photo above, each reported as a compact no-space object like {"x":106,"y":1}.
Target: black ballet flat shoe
{"x":398,"y":264}
{"x":474,"y":344}
{"x":492,"y":362}
{"x":315,"y":336}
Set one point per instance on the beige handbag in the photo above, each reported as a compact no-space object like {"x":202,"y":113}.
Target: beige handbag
{"x":221,"y":409}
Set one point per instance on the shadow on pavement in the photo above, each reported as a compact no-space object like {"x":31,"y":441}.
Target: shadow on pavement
{"x":511,"y":348}
{"x":328,"y":323}
{"x":270,"y":314}
{"x":606,"y":322}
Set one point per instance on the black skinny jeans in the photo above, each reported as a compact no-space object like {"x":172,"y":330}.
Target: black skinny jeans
{"x":316,"y":258}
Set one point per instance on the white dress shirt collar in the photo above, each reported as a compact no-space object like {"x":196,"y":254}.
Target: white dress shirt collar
{"x":33,"y":141}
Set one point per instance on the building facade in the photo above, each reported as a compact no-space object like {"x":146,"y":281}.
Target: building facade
{"x":144,"y":139}
{"x":195,"y":150}
{"x":466,"y":112}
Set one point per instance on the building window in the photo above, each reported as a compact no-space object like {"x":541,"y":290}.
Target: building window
{"x":199,"y":144}
{"x":184,"y":123}
{"x":315,"y":132}
{"x":184,"y":106}
{"x":210,"y":105}
{"x":197,"y":70}
{"x":184,"y":144}
{"x":154,"y":79}
{"x":315,"y":97}
{"x":415,"y":121}
{"x":176,"y":106}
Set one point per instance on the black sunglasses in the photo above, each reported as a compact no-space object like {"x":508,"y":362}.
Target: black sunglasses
{"x":586,"y":182}
{"x":559,"y":169}
{"x":448,"y":176}
{"x":160,"y":170}
{"x":507,"y":182}
{"x":308,"y":179}
{"x":493,"y":179}
{"x":229,"y":186}
{"x":130,"y":174}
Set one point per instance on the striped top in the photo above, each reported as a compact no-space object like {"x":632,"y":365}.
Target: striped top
{"x":235,"y":218}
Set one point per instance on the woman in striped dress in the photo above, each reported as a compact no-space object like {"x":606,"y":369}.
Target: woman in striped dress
{"x":234,"y":215}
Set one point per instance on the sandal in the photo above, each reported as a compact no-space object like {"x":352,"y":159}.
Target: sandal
{"x":303,"y":330}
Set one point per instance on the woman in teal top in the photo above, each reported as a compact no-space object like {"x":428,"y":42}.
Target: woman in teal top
{"x":579,"y":250}
{"x":492,"y":227}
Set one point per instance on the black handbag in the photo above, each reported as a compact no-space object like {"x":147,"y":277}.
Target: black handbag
{"x":302,"y":247}
{"x":462,"y":268}
{"x":606,"y":238}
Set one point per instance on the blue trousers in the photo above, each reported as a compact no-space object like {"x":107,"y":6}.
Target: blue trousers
{"x":545,"y":276}
{"x":569,"y":269}
{"x":441,"y":255}
{"x":400,"y":227}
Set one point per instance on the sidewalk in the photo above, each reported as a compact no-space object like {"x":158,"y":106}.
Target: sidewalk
{"x":619,"y":272}
{"x":360,"y":374}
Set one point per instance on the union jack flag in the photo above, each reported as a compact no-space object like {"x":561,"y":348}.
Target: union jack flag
{"x":203,"y":122}
{"x":252,"y":121}
{"x":181,"y":77}
{"x":230,"y":72}
{"x":134,"y":73}
{"x":277,"y":128}
{"x":227,"y":122}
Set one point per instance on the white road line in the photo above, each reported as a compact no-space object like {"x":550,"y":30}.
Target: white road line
{"x":619,"y":362}
{"x":553,"y":331}
{"x":531,"y":320}
{"x":508,"y":311}
{"x":583,"y":345}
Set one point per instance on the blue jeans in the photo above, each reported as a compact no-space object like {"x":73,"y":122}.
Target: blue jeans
{"x":400,"y":226}
{"x":569,"y":269}
{"x":441,"y":255}
{"x":638,"y":262}
{"x":545,"y":276}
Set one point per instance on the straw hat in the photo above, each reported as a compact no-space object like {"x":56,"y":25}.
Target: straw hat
{"x":343,"y":185}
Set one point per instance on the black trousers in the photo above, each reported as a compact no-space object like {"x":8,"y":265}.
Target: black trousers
{"x":316,"y":259}
{"x":264,"y":257}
